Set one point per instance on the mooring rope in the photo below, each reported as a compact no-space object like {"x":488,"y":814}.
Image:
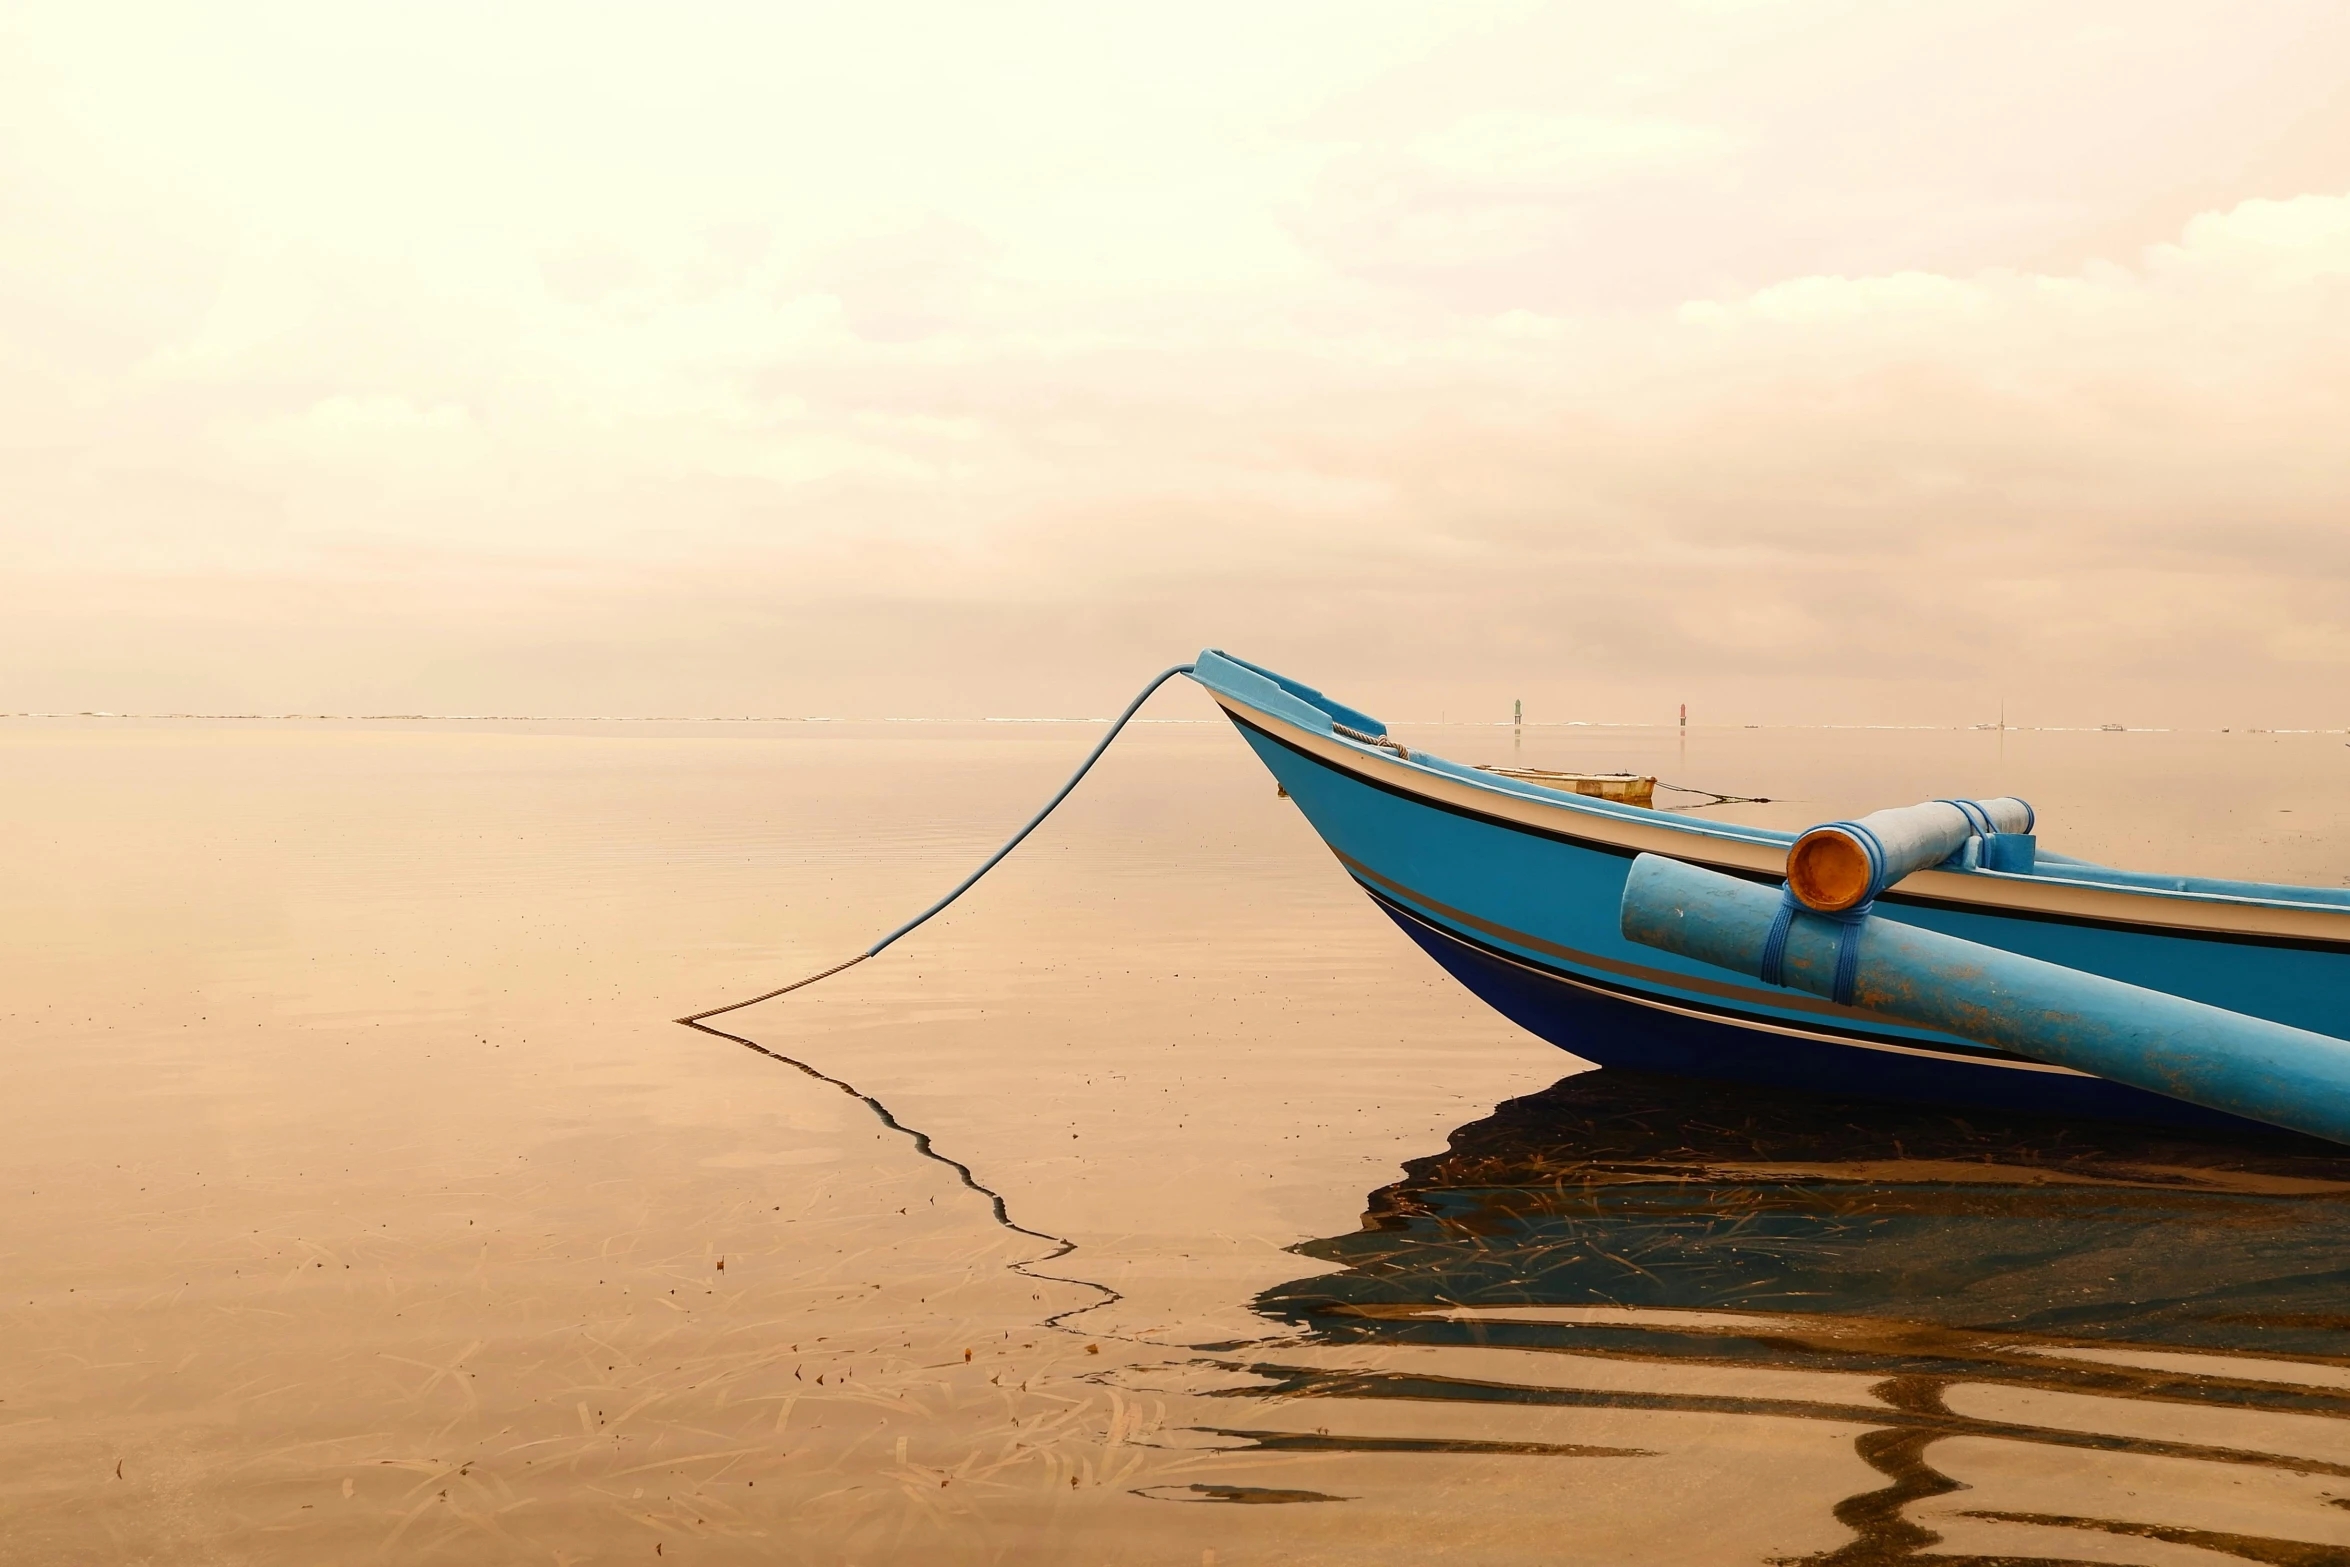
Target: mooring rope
{"x":965,"y":885}
{"x":1719,"y":798}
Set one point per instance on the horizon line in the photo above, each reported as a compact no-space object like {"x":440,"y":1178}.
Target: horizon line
{"x":1417,"y":723}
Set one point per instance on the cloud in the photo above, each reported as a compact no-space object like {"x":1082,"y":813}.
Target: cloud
{"x":1526,"y":150}
{"x":684,"y":372}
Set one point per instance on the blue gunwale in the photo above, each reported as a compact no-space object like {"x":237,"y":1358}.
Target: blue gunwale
{"x":1779,"y":841}
{"x":1513,"y":889}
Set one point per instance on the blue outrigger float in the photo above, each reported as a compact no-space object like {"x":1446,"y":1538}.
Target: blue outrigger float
{"x":1520,"y":891}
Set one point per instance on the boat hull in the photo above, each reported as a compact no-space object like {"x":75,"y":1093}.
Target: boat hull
{"x":1609,"y":1028}
{"x":1518,"y":899}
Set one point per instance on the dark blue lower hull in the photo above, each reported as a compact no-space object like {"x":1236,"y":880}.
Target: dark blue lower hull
{"x":1610,"y":1030}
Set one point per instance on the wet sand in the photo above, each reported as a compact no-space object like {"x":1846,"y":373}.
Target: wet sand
{"x":360,"y":1203}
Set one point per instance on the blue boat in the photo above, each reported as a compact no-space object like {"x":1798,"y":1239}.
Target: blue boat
{"x":1515,"y":888}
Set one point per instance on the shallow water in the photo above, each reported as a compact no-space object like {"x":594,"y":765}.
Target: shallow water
{"x":357,"y":1202}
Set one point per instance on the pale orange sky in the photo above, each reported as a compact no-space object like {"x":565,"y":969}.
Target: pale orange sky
{"x":1804,"y":361}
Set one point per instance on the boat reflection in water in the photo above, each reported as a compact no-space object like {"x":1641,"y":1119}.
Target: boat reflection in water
{"x":2013,"y":1340}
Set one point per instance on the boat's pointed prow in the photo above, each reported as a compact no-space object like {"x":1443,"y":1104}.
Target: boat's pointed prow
{"x":1260,"y":688}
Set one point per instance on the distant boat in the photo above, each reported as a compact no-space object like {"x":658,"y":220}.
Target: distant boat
{"x":1513,"y":882}
{"x":2112,"y":729}
{"x":1624,"y":788}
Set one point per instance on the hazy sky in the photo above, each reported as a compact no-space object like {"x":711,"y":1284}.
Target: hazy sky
{"x":1801,"y":360}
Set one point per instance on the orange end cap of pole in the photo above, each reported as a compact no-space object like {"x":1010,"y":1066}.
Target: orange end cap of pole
{"x":1828,"y":870}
